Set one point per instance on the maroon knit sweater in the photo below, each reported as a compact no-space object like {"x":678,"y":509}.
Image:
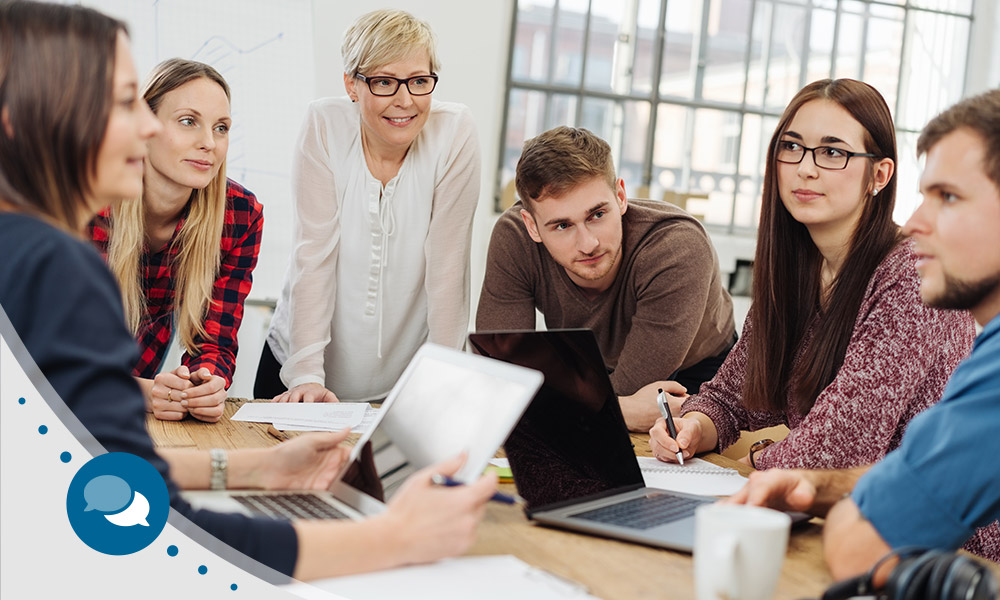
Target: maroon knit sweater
{"x":898,"y":360}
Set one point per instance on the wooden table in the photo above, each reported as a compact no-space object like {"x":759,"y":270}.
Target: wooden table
{"x":608,"y":568}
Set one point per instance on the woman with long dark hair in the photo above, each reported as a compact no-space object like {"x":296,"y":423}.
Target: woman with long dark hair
{"x":837,"y":344}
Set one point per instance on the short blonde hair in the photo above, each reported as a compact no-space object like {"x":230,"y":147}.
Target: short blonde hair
{"x":385,"y":36}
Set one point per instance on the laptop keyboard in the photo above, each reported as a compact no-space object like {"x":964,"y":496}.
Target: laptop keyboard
{"x":644,"y":512}
{"x":289,"y":506}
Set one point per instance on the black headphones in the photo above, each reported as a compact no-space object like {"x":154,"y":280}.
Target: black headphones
{"x":922,"y":575}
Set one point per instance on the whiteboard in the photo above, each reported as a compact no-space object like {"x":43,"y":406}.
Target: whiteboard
{"x":264,"y":49}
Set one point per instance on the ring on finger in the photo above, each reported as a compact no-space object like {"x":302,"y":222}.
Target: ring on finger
{"x":169,"y":399}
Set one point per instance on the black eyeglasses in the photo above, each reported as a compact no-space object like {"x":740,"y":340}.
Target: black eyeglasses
{"x":824,"y":157}
{"x":421,"y":85}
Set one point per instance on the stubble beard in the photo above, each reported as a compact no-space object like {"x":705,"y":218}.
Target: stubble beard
{"x":959,"y":294}
{"x":591,"y":275}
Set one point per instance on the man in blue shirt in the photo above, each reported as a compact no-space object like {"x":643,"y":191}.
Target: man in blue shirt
{"x":941,"y":487}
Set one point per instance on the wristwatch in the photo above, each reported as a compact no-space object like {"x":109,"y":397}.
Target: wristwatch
{"x":757,"y":446}
{"x":220,"y":462}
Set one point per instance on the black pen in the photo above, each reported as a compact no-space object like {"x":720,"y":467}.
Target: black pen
{"x":446,"y":481}
{"x":661,"y":399}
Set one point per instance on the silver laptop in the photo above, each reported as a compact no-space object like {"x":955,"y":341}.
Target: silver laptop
{"x":571,"y":454}
{"x":444,"y":403}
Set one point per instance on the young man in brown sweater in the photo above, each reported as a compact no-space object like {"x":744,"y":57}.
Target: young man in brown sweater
{"x":641,"y":274}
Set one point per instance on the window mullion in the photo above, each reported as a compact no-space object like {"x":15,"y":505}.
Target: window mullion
{"x":742,"y":116}
{"x":578,"y":117}
{"x":864,"y":43}
{"x":804,"y":57}
{"x":836,"y":40}
{"x":654,"y":99}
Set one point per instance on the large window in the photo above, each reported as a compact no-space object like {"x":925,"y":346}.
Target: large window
{"x":688,"y":92}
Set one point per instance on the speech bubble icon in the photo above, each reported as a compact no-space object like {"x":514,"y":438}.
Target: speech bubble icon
{"x":134,"y":514}
{"x":106,"y":493}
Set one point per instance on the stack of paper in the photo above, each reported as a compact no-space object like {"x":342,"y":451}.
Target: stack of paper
{"x":330,"y":416}
{"x":696,"y":476}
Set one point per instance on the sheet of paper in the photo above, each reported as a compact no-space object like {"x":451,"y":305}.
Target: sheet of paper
{"x":479,"y":577}
{"x":697,"y":476}
{"x":332,"y":416}
{"x":304,"y":425}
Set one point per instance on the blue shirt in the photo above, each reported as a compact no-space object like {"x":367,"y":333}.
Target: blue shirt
{"x":65,"y":307}
{"x":943,"y":481}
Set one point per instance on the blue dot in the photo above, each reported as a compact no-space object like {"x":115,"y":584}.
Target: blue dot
{"x":20,"y":400}
{"x":172,"y":550}
{"x":65,"y":457}
{"x":233,"y":587}
{"x":42,"y":429}
{"x":203,"y":569}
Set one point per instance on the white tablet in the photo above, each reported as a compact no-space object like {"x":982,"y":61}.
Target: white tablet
{"x":448,"y":401}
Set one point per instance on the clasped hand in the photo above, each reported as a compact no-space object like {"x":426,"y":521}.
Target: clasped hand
{"x":179,"y":392}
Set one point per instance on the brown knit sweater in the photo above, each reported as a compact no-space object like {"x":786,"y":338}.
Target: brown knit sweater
{"x":666,"y":310}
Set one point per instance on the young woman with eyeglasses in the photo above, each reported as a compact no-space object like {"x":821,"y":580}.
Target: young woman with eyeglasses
{"x":837,"y":344}
{"x":385,"y":186}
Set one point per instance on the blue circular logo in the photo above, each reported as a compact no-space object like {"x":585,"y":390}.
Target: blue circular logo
{"x":117,"y":503}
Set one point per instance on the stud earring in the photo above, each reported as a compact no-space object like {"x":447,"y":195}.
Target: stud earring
{"x":875,"y":193}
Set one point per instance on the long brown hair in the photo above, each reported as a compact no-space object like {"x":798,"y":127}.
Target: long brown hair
{"x":56,"y":74}
{"x":787,"y":285}
{"x":200,"y":237}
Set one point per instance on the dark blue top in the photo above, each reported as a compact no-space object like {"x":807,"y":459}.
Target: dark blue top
{"x":942,"y":482}
{"x":65,"y":306}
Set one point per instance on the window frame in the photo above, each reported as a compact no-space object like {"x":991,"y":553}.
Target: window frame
{"x":655,"y":100}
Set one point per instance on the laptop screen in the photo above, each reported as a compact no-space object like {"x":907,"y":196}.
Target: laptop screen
{"x":571,"y":442}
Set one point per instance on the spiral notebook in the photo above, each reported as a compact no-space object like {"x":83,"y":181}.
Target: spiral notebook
{"x":695,"y":476}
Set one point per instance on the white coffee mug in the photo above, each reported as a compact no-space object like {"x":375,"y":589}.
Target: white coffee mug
{"x":738,"y":551}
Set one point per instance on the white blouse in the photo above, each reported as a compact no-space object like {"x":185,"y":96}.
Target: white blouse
{"x":375,"y":271}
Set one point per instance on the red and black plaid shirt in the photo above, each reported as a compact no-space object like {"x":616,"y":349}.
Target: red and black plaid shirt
{"x":240,"y":246}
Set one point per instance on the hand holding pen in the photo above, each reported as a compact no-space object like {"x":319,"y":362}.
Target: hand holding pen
{"x":661,"y":401}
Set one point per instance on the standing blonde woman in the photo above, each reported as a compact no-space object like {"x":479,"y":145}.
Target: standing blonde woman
{"x":183,"y":255}
{"x":385,"y":185}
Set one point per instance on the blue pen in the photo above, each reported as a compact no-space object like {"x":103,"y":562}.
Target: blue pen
{"x":661,"y":399}
{"x":446,"y":481}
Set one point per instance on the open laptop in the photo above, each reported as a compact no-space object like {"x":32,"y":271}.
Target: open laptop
{"x":571,"y":455}
{"x":445,"y":402}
